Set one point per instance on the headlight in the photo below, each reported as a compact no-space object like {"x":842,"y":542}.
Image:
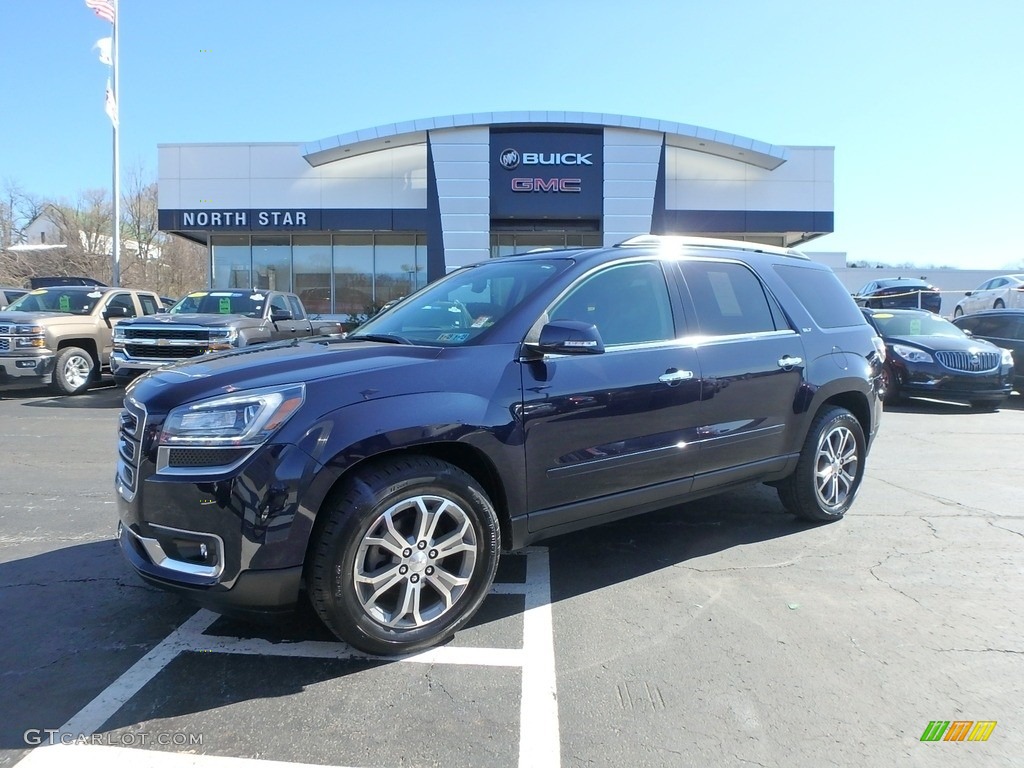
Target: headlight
{"x":28,"y":330}
{"x":119,"y":333}
{"x":238,"y":419}
{"x":1007,"y":356}
{"x":912,"y":354}
{"x":223,"y":338}
{"x":28,"y":342}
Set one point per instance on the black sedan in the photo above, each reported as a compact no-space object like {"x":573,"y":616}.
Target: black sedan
{"x":927,"y":356}
{"x":1004,"y":328}
{"x":899,"y":293}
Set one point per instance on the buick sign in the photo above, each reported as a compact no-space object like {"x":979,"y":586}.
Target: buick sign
{"x":509,"y":159}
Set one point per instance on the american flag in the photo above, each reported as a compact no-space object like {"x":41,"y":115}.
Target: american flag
{"x":105,"y":9}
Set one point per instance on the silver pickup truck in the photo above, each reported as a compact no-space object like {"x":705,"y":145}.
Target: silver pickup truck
{"x":210,"y":321}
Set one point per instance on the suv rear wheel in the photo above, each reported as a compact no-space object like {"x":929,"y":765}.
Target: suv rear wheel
{"x":830,"y":468}
{"x":405,"y":557}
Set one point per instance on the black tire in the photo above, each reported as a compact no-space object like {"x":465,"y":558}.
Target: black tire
{"x":958,"y":312}
{"x":377,"y":526}
{"x":986,"y":405}
{"x":73,"y":371}
{"x":889,"y":386}
{"x":817,"y":490}
{"x":999,"y":304}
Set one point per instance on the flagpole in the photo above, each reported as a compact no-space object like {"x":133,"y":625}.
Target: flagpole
{"x":117,"y":159}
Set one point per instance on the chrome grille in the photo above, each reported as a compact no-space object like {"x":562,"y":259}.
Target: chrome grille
{"x":131,"y":427}
{"x":188,"y":334}
{"x":5,"y":345}
{"x":6,"y":330}
{"x":969,"y":362}
{"x":163,"y":353}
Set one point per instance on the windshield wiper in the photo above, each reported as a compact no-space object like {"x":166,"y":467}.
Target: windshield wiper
{"x":389,"y":338}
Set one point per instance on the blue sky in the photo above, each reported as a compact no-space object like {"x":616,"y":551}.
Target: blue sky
{"x":922,"y":100}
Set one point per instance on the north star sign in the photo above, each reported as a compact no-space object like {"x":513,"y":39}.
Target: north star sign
{"x":271,"y":219}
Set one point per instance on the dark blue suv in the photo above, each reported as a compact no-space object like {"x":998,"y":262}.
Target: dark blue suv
{"x":382,"y":474}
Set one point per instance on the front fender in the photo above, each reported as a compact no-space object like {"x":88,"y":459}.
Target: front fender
{"x":480,"y":435}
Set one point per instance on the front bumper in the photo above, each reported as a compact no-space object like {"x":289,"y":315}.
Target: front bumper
{"x":231,"y":537}
{"x":123,"y":366}
{"x":25,"y":372}
{"x":930,"y":380}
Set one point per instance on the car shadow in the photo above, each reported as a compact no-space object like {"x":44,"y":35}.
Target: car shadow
{"x":106,"y":394}
{"x":927,"y":405}
{"x":77,"y":617}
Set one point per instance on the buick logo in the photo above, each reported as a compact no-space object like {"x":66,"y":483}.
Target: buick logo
{"x":509,"y":159}
{"x":975,"y":361}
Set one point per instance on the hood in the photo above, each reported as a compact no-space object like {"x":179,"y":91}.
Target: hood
{"x":265,"y":365}
{"x":205,"y":320}
{"x":949,"y":343}
{"x":32,"y":318}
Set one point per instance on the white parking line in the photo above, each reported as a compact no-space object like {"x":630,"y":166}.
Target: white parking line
{"x":539,"y":745}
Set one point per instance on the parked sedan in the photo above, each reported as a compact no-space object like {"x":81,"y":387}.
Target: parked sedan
{"x":928,"y":356}
{"x":899,"y":293}
{"x":998,"y":293}
{"x":1004,"y":328}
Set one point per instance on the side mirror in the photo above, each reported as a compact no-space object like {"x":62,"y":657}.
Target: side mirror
{"x":110,"y":312}
{"x":279,"y":315}
{"x":969,"y":293}
{"x":569,"y":337}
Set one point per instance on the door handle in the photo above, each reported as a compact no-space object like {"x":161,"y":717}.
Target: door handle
{"x":788,"y":362}
{"x":674,"y":376}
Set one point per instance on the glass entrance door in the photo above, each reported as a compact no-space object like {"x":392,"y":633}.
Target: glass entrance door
{"x":507,"y":243}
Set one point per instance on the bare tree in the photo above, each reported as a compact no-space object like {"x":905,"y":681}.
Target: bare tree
{"x":150,"y":259}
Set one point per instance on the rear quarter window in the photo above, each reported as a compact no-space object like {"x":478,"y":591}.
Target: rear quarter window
{"x":823,"y":296}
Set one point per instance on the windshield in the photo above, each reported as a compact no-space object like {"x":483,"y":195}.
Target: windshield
{"x":57,"y":300}
{"x":458,"y":308}
{"x":221,"y":303}
{"x":923,"y":324}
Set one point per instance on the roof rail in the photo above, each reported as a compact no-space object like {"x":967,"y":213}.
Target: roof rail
{"x":651,"y":241}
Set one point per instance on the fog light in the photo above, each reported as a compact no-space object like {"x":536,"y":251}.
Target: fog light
{"x":26,"y":364}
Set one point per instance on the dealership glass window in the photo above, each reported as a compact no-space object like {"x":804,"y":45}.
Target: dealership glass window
{"x":395,"y":267}
{"x":353,"y":274}
{"x":232,"y":259}
{"x":507,"y":243}
{"x":311,"y":261}
{"x":272,"y":263}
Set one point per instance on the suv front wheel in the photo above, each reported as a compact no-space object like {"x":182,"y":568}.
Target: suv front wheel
{"x":830,"y":468}
{"x":405,"y":557}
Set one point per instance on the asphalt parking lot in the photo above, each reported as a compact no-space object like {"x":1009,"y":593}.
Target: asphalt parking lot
{"x":718,"y":633}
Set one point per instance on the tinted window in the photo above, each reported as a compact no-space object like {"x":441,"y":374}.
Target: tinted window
{"x":456,"y":309}
{"x":628,"y":303}
{"x":123,"y":300}
{"x":222,"y":303}
{"x":57,"y":300}
{"x":149,"y":304}
{"x":1000,"y":327}
{"x":728,"y":298}
{"x":914,"y":324}
{"x":297,"y":309}
{"x":278,"y":304}
{"x":822,"y":295}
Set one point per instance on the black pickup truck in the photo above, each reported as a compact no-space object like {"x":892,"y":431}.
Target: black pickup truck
{"x":210,"y":321}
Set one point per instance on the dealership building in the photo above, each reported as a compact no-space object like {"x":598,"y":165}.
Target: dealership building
{"x":352,"y":221}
